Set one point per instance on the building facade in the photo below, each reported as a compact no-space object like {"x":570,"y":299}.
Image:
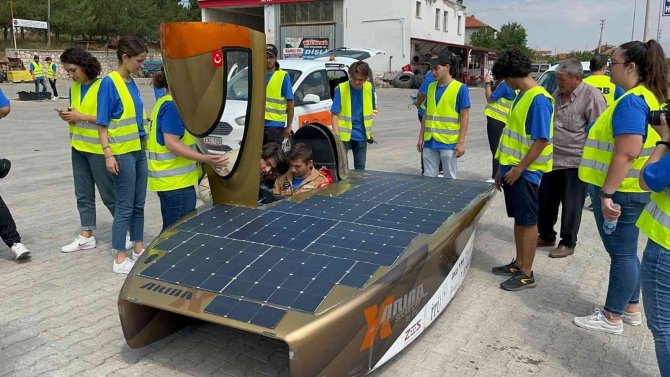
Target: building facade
{"x":407,"y":30}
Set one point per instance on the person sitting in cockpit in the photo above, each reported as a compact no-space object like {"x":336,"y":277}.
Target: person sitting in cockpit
{"x":302,"y":176}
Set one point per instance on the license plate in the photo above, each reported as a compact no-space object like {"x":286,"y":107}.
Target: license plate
{"x":216,"y":141}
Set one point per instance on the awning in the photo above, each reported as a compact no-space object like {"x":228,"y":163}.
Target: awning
{"x":236,"y":3}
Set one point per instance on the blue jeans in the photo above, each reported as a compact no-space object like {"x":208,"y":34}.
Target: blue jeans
{"x":359,"y":149}
{"x":621,"y":245}
{"x":655,"y":280}
{"x":89,"y":171}
{"x":131,"y":189}
{"x":175,"y":204}
{"x":38,"y":81}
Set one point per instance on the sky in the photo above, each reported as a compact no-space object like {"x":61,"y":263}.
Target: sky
{"x":567,"y":25}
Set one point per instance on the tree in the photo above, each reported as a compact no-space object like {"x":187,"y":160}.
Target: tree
{"x":484,"y":37}
{"x":512,"y":36}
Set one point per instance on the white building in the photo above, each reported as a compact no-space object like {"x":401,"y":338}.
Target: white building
{"x":407,"y":30}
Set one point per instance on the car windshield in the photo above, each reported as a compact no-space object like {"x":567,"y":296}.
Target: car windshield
{"x":354,"y":54}
{"x":238,"y":84}
{"x":548,"y":80}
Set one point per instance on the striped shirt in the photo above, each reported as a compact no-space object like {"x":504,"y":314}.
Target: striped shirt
{"x":570,"y":124}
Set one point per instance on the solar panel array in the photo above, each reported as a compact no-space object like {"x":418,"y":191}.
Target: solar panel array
{"x":263,"y":262}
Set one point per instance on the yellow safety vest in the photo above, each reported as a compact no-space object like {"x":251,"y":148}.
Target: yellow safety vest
{"x":123,"y":133}
{"x":275,"y":103}
{"x":499,"y":109}
{"x":442,"y":121}
{"x":84,"y":136}
{"x":515,"y":142}
{"x":168,"y":171}
{"x":51,"y":73}
{"x":605,"y":85}
{"x":345,"y":120}
{"x":599,"y":147}
{"x":37,"y":69}
{"x":655,"y":219}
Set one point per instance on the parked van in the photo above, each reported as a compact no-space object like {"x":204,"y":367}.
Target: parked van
{"x":537,"y":69}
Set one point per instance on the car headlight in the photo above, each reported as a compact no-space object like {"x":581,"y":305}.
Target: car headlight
{"x":241,"y":121}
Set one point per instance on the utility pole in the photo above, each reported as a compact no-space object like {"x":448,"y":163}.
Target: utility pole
{"x":48,"y":23}
{"x":647,"y":13}
{"x":632,"y":33}
{"x":600,"y":41}
{"x":658,"y":28}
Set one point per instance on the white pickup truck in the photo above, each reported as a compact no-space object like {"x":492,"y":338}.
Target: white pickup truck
{"x":313,"y":85}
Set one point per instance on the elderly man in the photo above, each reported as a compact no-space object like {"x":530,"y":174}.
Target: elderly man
{"x":577,"y":105}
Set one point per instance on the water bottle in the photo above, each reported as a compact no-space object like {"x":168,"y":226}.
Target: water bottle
{"x":610,"y":226}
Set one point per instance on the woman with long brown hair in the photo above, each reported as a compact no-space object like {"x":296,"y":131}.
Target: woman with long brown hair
{"x":618,"y":146}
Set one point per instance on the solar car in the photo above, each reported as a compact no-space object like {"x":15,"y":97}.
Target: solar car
{"x":346,"y":276}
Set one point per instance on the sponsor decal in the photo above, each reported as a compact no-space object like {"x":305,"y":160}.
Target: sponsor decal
{"x":193,"y":298}
{"x":378,"y":318}
{"x":434,"y":306}
{"x":413,"y":331}
{"x":321,"y":117}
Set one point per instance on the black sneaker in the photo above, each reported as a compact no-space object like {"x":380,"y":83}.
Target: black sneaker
{"x":518,"y":282}
{"x":506,"y":270}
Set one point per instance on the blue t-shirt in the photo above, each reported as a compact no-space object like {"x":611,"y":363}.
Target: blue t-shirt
{"x":538,"y":126}
{"x":618,"y":92}
{"x":110,"y":106}
{"x":297,"y":182}
{"x":84,"y":90}
{"x":286,"y":92}
{"x":427,"y":79}
{"x":462,"y":102}
{"x":158,"y":93}
{"x":657,"y":175}
{"x":168,"y":121}
{"x":4,"y":101}
{"x":630,"y":116}
{"x":503,"y":91}
{"x":357,"y":127}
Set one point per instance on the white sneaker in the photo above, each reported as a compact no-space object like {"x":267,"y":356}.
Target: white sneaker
{"x":80,"y":243}
{"x":440,"y":175}
{"x":123,"y":267}
{"x":135,"y":256}
{"x":598,"y":322}
{"x":54,"y":98}
{"x":20,"y":251}
{"x":633,"y":319}
{"x":490,"y":180}
{"x":129,"y":243}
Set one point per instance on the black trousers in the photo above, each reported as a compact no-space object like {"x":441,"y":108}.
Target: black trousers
{"x":561,"y":187}
{"x":52,"y":83}
{"x":494,"y":129}
{"x":8,"y":231}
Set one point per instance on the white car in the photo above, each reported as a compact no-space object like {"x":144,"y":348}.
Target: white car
{"x":548,"y":78}
{"x":313,"y":85}
{"x":377,"y":59}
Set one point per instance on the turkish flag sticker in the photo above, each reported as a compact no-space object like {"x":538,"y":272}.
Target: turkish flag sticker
{"x":217,"y":58}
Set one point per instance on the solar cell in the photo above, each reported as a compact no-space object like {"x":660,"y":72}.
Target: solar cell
{"x":262,"y":262}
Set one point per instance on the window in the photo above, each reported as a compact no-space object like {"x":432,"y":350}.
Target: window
{"x":437,"y":19}
{"x":445,"y":15}
{"x":418,"y":9}
{"x":303,"y":13}
{"x":459,"y":26}
{"x":314,"y":83}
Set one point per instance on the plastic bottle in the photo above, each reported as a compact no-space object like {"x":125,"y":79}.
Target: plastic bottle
{"x":610,"y":226}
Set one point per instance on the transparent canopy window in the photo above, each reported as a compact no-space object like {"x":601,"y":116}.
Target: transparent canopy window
{"x":227,"y":136}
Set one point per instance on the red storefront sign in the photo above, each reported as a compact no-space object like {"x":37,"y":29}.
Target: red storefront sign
{"x":235,"y":3}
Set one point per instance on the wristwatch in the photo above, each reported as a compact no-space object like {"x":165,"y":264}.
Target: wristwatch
{"x":605,"y":195}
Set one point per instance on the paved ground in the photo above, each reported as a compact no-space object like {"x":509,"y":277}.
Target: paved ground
{"x":58,"y":312}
